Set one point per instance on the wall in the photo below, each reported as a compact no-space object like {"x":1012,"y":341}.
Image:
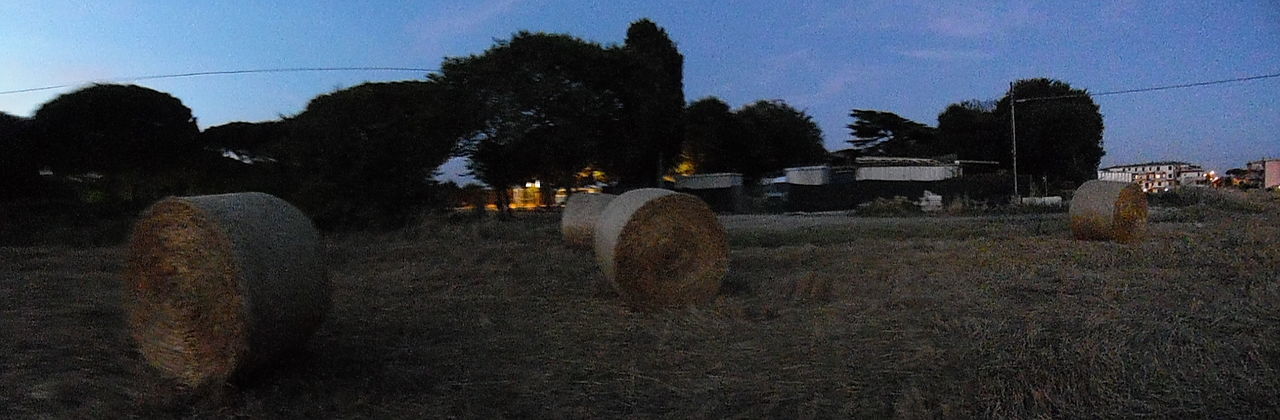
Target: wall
{"x":723,"y":192}
{"x":1272,"y":175}
{"x":809,"y":175}
{"x":1115,"y":176}
{"x":709,"y":181}
{"x":907,"y":173}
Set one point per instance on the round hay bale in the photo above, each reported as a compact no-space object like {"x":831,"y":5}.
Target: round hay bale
{"x":581,"y":211}
{"x":217,"y":285}
{"x":1103,"y":210}
{"x":661,"y":248}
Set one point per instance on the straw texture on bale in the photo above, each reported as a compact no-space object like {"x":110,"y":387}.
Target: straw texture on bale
{"x":581,"y":211}
{"x":1108,"y":210}
{"x":660,"y":248}
{"x":218,"y":285}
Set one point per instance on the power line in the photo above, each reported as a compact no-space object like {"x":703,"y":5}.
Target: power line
{"x":1151,"y":89}
{"x":215,"y":73}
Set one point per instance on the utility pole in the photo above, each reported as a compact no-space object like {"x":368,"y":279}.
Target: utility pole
{"x":1013,"y":133}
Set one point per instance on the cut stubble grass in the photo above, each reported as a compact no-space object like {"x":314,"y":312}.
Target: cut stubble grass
{"x":827,"y":316}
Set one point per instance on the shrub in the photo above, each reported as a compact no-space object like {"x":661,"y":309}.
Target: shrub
{"x":896,"y":206}
{"x":1231,"y":200}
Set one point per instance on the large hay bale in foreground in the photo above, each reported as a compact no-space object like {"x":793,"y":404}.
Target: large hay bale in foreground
{"x":1103,"y":210}
{"x":217,"y":285}
{"x":661,"y":248}
{"x":581,"y":211}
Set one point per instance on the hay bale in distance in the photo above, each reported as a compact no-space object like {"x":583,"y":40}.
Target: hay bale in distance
{"x":581,"y":211}
{"x":217,"y":285}
{"x":661,"y":248}
{"x":1105,"y":210}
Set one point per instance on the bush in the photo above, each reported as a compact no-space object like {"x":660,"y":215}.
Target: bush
{"x":889,"y":207}
{"x":1198,"y":204}
{"x":1222,"y":199}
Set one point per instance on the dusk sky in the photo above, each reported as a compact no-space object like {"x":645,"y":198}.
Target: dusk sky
{"x":908,"y":57}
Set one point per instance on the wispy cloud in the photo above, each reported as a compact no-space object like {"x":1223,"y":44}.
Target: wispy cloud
{"x":432,"y":30}
{"x":981,"y":20}
{"x":946,"y":54}
{"x":775,"y":69}
{"x":835,"y":84}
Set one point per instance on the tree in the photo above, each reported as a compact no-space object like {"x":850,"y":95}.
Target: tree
{"x":19,"y":168}
{"x":879,"y":133}
{"x":249,"y":152}
{"x":1059,"y":130}
{"x":249,"y":141}
{"x":778,"y":136}
{"x":545,"y":103}
{"x":501,"y":166}
{"x":973,"y":130}
{"x":652,"y":95}
{"x":367,"y":154}
{"x":135,"y":137}
{"x":713,"y":139}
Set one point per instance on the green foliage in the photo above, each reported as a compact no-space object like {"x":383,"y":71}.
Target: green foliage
{"x":778,"y":136}
{"x":879,"y":133}
{"x":253,"y":142}
{"x":551,"y":105}
{"x":889,"y":207}
{"x":545,"y":105}
{"x":714,"y":136}
{"x":973,"y":130}
{"x":115,"y":128}
{"x":1059,"y":130}
{"x":366,"y":155}
{"x":133,"y":136}
{"x":1221,"y":199}
{"x":652,"y":95}
{"x":19,"y":166}
{"x":761,"y":137}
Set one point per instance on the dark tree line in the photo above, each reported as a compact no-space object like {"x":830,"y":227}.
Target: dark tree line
{"x":550,"y":107}
{"x":759,"y":138}
{"x":1059,"y":132}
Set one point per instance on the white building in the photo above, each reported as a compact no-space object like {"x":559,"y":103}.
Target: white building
{"x":1156,"y":176}
{"x":1268,"y":171}
{"x":904,"y":169}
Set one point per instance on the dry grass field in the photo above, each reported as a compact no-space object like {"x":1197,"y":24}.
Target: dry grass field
{"x":820,"y":316}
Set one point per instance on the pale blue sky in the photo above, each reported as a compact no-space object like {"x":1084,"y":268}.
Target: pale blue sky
{"x":909,"y":57}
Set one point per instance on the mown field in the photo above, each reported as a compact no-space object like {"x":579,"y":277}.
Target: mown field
{"x":820,"y":316}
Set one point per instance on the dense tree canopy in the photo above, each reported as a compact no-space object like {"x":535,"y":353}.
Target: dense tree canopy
{"x":778,"y":136}
{"x":561,"y":104}
{"x":116,"y":128}
{"x":975,"y":132}
{"x":652,"y":93}
{"x":761,"y":137}
{"x":545,"y":103}
{"x":137,"y":138}
{"x":714,"y":138}
{"x":1059,"y":130}
{"x":18,"y":164}
{"x":250,"y":141}
{"x":879,"y":133}
{"x":374,"y":147}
